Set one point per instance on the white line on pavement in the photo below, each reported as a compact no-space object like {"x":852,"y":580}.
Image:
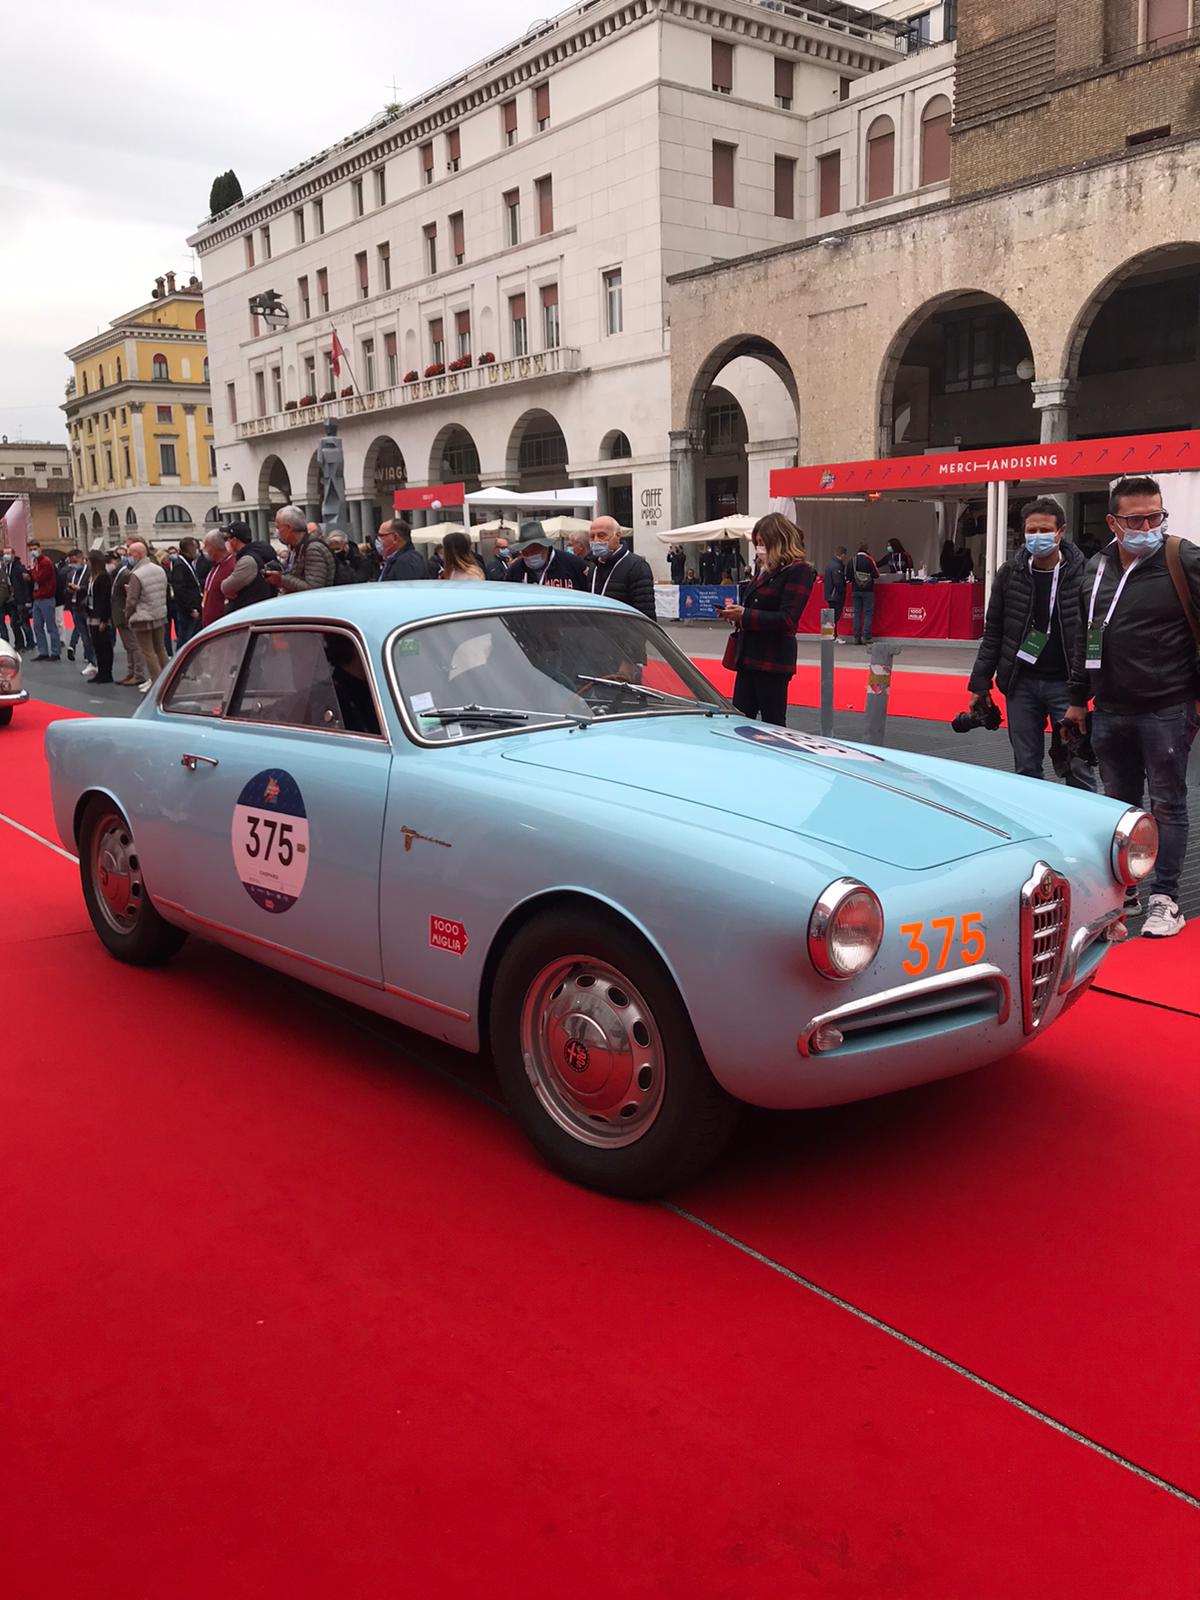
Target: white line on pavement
{"x":41,"y":839}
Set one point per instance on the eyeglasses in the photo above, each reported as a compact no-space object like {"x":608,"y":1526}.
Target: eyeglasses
{"x":1141,"y":520}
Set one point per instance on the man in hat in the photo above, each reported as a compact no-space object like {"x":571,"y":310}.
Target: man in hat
{"x":245,"y":585}
{"x":537,"y":561}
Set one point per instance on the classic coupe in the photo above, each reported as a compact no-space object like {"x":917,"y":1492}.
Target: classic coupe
{"x":521,"y":819}
{"x":11,"y":692}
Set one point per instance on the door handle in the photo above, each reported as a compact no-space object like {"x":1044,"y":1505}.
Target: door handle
{"x":192,"y":762}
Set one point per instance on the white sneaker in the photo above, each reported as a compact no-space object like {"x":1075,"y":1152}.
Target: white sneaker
{"x":89,"y":672}
{"x":144,"y":688}
{"x":1164,"y":918}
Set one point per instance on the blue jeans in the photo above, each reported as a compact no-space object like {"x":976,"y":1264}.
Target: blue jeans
{"x":45,"y":628}
{"x":81,"y":634}
{"x":864,"y":612}
{"x":1149,"y":749}
{"x":186,"y":627}
{"x":1030,"y":702}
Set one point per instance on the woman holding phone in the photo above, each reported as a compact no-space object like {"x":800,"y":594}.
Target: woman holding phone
{"x":762,"y":648}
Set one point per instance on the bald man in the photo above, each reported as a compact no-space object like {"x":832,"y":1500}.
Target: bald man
{"x":616,"y":571}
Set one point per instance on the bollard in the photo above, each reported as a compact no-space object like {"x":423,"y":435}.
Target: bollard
{"x":828,"y":643}
{"x":879,"y":682}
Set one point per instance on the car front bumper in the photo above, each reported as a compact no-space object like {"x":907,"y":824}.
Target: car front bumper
{"x":10,"y":697}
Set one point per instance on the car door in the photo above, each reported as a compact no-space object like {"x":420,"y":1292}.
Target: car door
{"x":275,"y":787}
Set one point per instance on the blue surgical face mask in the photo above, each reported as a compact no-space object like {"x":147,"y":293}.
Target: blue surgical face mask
{"x":1144,"y":543}
{"x":599,"y":548}
{"x":1040,"y":544}
{"x":379,"y":546}
{"x":535,"y":563}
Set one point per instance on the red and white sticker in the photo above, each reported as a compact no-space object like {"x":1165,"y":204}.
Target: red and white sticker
{"x":446,"y":935}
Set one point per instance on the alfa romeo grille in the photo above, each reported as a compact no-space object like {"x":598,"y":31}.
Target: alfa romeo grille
{"x":1045,"y":919}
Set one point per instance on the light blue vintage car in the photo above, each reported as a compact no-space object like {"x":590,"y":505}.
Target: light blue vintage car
{"x":520,"y":819}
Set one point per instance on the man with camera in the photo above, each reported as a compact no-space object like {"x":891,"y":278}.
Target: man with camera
{"x":1030,"y":634}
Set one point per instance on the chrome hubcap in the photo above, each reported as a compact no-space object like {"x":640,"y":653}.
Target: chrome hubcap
{"x":592,"y":1052}
{"x":117,"y":874}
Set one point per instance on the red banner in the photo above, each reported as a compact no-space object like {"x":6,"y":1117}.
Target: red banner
{"x":949,"y":470}
{"x":431,"y":499}
{"x":910,"y":611}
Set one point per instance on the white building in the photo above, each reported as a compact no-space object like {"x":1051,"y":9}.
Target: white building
{"x":493,"y":256}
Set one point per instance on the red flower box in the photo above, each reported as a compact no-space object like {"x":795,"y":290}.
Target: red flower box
{"x":435,"y":369}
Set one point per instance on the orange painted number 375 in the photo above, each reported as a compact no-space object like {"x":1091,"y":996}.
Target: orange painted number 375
{"x":966,"y":931}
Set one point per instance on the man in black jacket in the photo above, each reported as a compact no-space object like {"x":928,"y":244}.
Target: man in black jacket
{"x":349,"y":564}
{"x":833,"y":582}
{"x":401,"y":563}
{"x":1029,"y":634}
{"x":245,"y":585}
{"x":1137,"y":655}
{"x":537,"y":561}
{"x":616,"y":571}
{"x":186,"y":592}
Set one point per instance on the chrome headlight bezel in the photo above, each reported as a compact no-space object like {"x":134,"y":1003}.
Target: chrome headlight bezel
{"x":1123,"y":840}
{"x":833,"y":903}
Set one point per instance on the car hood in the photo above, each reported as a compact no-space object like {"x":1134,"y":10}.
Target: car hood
{"x":847,"y":796}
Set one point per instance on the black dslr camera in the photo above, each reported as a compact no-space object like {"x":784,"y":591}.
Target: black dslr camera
{"x":985,"y":715}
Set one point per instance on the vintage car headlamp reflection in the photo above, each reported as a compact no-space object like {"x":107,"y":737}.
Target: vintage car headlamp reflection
{"x":1134,"y":847}
{"x":845,"y":929}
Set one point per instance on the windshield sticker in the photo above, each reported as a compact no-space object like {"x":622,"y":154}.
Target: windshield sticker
{"x":792,"y":742}
{"x":422,"y":702}
{"x":410,"y":645}
{"x":270,"y":840}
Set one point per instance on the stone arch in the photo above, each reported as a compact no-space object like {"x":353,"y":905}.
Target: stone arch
{"x":131,"y":520}
{"x":114,"y":522}
{"x":537,"y":453}
{"x":382,"y":450}
{"x":97,"y":525}
{"x":753,"y":347}
{"x":757,"y":379}
{"x":274,"y":484}
{"x":237,"y":495}
{"x":615,"y":446}
{"x":83,"y":527}
{"x":454,"y":457}
{"x":1182,"y":255}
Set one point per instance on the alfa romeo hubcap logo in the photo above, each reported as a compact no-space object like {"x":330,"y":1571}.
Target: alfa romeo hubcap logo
{"x":576,"y":1055}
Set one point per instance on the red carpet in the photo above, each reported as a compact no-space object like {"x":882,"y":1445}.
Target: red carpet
{"x":1164,"y":974}
{"x":24,"y":778}
{"x":932,"y":696}
{"x":1036,"y":1221}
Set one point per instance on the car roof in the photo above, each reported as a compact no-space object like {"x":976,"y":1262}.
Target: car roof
{"x":377,"y":608}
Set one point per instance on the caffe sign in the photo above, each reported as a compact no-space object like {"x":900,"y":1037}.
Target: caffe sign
{"x":651,"y":503}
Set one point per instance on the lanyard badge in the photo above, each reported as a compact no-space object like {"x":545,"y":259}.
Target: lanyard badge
{"x":1036,"y":640}
{"x":1094,"y":647}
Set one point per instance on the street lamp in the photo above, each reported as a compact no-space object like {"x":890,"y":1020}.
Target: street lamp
{"x":270,"y":307}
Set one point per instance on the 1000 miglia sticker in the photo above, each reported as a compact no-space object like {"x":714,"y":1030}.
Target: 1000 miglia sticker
{"x":270,"y":840}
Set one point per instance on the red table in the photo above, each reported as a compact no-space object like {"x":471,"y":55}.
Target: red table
{"x":911,"y":611}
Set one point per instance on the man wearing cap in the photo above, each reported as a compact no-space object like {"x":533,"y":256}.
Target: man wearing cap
{"x":616,"y":571}
{"x":349,"y":564}
{"x":245,"y":585}
{"x":537,"y":561}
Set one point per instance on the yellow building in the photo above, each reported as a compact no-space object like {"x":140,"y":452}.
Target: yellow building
{"x":139,"y":416}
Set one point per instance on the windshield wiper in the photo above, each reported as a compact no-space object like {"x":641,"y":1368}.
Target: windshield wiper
{"x":475,"y":714}
{"x":650,"y":694}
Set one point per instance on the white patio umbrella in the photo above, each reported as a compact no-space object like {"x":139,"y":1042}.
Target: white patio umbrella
{"x":560,"y":527}
{"x":437,"y":530}
{"x":496,"y":525}
{"x":735,"y":527}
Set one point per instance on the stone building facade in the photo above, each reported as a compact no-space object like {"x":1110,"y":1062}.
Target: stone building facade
{"x":37,"y":474}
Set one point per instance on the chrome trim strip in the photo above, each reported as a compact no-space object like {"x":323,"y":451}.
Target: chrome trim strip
{"x":941,"y":982}
{"x":17,"y":699}
{"x":1119,"y":848}
{"x":1082,"y":940}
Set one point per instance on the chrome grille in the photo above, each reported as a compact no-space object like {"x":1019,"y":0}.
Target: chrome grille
{"x":1045,"y":919}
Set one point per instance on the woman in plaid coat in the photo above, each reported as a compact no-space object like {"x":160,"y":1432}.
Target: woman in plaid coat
{"x":762,"y":648}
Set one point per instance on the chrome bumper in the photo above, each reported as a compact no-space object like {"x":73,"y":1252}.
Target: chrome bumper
{"x":9,"y":699}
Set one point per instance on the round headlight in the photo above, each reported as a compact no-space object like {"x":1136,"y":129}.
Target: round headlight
{"x":1134,"y":847}
{"x":845,"y":929}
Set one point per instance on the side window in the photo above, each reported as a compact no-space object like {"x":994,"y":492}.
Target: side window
{"x":205,"y":683}
{"x":307,"y":679}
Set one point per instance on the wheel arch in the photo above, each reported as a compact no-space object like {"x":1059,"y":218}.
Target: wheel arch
{"x":84,"y":801}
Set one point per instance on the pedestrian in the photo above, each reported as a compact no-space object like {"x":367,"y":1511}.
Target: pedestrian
{"x":146,"y":599}
{"x":863,"y":574}
{"x":186,"y":593}
{"x":118,"y":566}
{"x":97,"y":609}
{"x":76,"y":582}
{"x":219,"y":561}
{"x":349,"y":565}
{"x":1030,"y":634}
{"x":44,"y":578}
{"x":16,"y":598}
{"x":762,"y":648}
{"x":1137,"y":656}
{"x":437,"y":561}
{"x":896,"y":559}
{"x":401,"y":562}
{"x":310,"y":562}
{"x":833,"y":584}
{"x":677,"y":561}
{"x":459,"y":560}
{"x":244,"y":584}
{"x":497,"y":567}
{"x":539,"y":562}
{"x":616,"y":571}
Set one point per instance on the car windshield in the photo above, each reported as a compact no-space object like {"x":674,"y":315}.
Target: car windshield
{"x":512,"y":671}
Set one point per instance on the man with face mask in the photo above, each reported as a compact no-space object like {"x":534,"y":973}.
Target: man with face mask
{"x":1139,"y":657}
{"x":1031,"y":628}
{"x":537,"y":561}
{"x":616,"y":571}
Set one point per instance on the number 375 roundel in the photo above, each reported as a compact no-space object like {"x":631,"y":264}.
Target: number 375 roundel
{"x":270,"y":840}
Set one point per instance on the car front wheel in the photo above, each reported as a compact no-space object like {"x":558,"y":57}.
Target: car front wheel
{"x":115,"y":892}
{"x":599,"y":1061}
{"x":6,"y":714}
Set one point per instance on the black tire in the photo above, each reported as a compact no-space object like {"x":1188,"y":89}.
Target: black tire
{"x":126,"y":924}
{"x":5,"y":716}
{"x":627,"y":1105}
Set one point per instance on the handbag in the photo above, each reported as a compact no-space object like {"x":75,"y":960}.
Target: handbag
{"x":729,"y":659}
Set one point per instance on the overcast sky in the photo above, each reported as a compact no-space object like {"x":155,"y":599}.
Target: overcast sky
{"x":116,"y":116}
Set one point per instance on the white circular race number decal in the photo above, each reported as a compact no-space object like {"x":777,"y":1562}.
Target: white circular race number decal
{"x":270,"y":840}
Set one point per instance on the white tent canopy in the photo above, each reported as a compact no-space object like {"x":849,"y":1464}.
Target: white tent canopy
{"x":502,"y":499}
{"x":735,"y":527}
{"x":439,"y":530}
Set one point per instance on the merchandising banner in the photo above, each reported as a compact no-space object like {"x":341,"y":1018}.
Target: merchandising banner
{"x":431,"y":499}
{"x":1073,"y":458}
{"x":705,"y":599}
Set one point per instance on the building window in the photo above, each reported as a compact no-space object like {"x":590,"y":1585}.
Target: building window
{"x":785,"y":186}
{"x":519,"y":324}
{"x":208,"y":415}
{"x":614,"y":309}
{"x":298,"y":221}
{"x":356,"y":196}
{"x":323,"y":288}
{"x":917,"y":31}
{"x":844,"y":88}
{"x":430,"y":232}
{"x":302,"y":296}
{"x":542,"y":450}
{"x":364,"y":281}
{"x":437,"y":341}
{"x":128,"y":465}
{"x":829,"y":184}
{"x":380,"y":186}
{"x":158,"y":369}
{"x":549,"y":316}
{"x":231,"y":401}
{"x":277,"y":388}
{"x":544,"y":189}
{"x":265,"y":235}
{"x":458,"y":247}
{"x":118,"y":369}
{"x":310,"y":377}
{"x":167,"y":465}
{"x":390,"y":358}
{"x":1167,"y":21}
{"x":212,"y":461}
{"x":462,"y":333}
{"x":260,"y":394}
{"x":108,"y":464}
{"x":318,"y":216}
{"x":249,"y":245}
{"x":426,"y":153}
{"x":164,"y":413}
{"x":722,"y":165}
{"x":92,"y":467}
{"x":173,"y":514}
{"x":935,"y":141}
{"x":204,"y":370}
{"x":541,"y":106}
{"x":508,"y":121}
{"x":85,"y":383}
{"x":453,"y":150}
{"x":512,"y":217}
{"x":722,"y":429}
{"x":327,"y":363}
{"x":785,"y":82}
{"x":981,"y":352}
{"x":722,"y":67}
{"x":385,"y":268}
{"x":881,"y":159}
{"x":368,"y":356}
